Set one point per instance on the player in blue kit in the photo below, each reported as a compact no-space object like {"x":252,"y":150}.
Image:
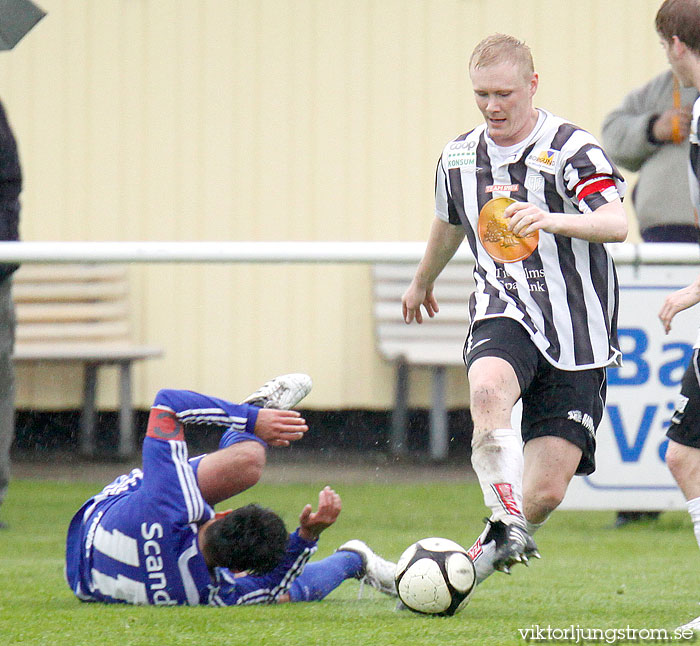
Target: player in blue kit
{"x":153,"y":537}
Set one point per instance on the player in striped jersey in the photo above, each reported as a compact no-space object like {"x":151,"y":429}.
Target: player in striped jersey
{"x":678,"y":25}
{"x":152,"y":536}
{"x":536,"y":198}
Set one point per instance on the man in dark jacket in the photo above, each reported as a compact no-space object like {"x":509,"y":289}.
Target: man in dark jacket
{"x":10,"y":188}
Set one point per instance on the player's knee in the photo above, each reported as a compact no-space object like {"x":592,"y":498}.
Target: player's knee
{"x":676,"y":459}
{"x":487,"y":398}
{"x":542,"y":500}
{"x":251,"y":463}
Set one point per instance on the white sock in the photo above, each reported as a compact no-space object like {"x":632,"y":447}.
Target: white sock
{"x":533,"y":527}
{"x":481,"y":555}
{"x":497,"y":458}
{"x":694,"y":511}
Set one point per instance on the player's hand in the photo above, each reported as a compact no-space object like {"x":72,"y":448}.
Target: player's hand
{"x":525,"y":218}
{"x":663,"y":129}
{"x":280,"y":427}
{"x":677,"y":302}
{"x":413,"y":298}
{"x":312,"y":523}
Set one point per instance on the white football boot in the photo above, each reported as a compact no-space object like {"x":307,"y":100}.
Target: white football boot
{"x":377,"y":572}
{"x":283,"y":392}
{"x":691,"y":625}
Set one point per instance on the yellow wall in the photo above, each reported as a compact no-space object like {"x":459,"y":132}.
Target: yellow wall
{"x":273,"y":120}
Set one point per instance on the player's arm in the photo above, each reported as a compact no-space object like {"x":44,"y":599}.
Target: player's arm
{"x":246,"y":589}
{"x":443,"y":242}
{"x":446,"y":234}
{"x":312,"y":523}
{"x":189,"y":407}
{"x":587,"y":180}
{"x":168,"y":480}
{"x":607,"y":223}
{"x":272,"y":426}
{"x":679,"y":301}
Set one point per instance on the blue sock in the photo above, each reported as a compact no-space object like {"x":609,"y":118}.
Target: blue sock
{"x":319,"y":579}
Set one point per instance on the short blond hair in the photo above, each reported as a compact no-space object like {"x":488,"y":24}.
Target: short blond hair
{"x":501,"y":48}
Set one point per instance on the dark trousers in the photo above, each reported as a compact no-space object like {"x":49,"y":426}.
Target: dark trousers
{"x":671,"y":233}
{"x":7,"y":382}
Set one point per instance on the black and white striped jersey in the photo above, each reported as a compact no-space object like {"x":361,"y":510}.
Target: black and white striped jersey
{"x":694,"y":166}
{"x":565,"y":293}
{"x":694,"y":170}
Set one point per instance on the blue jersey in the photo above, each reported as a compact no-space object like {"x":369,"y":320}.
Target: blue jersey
{"x":137,"y":540}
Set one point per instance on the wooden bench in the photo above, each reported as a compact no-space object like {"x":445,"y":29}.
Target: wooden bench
{"x":436,"y":344}
{"x":80,"y":314}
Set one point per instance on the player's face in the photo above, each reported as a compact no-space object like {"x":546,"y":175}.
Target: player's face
{"x":504,"y":96}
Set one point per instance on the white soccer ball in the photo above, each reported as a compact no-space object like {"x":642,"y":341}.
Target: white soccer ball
{"x":435,"y":576}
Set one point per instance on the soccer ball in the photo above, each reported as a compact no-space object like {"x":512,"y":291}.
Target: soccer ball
{"x":435,"y":576}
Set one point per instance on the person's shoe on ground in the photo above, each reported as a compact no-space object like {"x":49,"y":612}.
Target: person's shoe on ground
{"x":624,"y":518}
{"x":377,"y":572}
{"x":691,"y":625}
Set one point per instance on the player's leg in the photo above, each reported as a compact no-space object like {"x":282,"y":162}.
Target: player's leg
{"x":501,"y":363}
{"x":283,"y":392}
{"x":550,"y":464}
{"x":230,"y":470}
{"x":684,"y":464}
{"x":352,"y":560}
{"x":494,"y":389}
{"x":240,"y":460}
{"x":683,"y":453}
{"x":561,"y":411}
{"x":497,"y":455}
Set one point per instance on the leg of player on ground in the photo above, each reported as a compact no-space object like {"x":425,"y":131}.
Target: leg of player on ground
{"x":319,"y":579}
{"x":230,"y":470}
{"x":352,"y":560}
{"x":239,"y":462}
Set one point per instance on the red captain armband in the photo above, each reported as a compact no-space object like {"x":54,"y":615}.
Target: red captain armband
{"x":593,"y":184}
{"x":163,"y":425}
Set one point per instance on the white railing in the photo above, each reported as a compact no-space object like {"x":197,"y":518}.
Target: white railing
{"x":292,"y":252}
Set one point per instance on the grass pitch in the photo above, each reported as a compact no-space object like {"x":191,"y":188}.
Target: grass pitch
{"x":592,"y":577}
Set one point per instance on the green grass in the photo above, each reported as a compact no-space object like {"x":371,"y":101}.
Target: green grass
{"x":644,"y":576}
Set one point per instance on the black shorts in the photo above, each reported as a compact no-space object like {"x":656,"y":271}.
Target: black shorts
{"x":685,"y":423}
{"x":561,"y":403}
